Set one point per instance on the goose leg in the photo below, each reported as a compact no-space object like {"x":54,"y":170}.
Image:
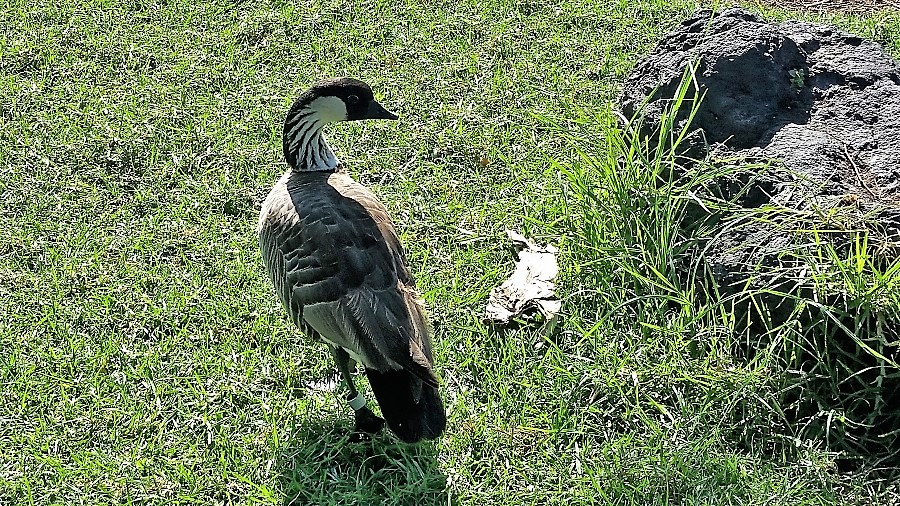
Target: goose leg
{"x":366,"y":421}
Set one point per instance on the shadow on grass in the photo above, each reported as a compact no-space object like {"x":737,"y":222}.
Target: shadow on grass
{"x":319,"y":465}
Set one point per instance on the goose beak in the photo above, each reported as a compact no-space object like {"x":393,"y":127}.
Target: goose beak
{"x":377,"y":111}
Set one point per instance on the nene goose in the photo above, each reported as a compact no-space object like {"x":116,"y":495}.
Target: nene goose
{"x":339,"y":269}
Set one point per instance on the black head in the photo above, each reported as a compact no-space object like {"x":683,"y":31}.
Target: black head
{"x":340,"y":99}
{"x":328,"y":101}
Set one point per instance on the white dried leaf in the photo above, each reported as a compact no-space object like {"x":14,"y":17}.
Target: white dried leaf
{"x":529,"y":287}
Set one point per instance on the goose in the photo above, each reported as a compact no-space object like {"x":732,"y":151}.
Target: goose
{"x":339,"y":269}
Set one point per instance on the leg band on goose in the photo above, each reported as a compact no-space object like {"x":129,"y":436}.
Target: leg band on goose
{"x":357,"y":402}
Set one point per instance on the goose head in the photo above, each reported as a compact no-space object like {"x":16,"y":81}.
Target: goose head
{"x":326,"y":101}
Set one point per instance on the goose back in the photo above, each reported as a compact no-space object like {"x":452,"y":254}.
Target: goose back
{"x":338,"y":267}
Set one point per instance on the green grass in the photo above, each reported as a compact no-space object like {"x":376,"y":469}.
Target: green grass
{"x":144,"y":358}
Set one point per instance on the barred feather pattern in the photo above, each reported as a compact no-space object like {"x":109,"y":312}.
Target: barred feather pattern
{"x":304,"y":145}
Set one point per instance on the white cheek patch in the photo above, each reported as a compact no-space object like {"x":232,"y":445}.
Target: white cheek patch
{"x":329,"y":109}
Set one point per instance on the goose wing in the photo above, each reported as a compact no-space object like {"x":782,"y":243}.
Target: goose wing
{"x":338,"y":266}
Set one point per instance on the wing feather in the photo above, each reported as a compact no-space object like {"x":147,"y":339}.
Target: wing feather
{"x":328,"y":242}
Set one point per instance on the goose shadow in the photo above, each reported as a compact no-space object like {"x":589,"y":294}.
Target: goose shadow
{"x":320,"y":465}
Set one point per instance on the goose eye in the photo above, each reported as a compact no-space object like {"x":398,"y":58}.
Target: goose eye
{"x":352,"y":99}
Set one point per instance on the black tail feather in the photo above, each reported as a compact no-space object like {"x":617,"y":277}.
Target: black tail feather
{"x":411,"y":421}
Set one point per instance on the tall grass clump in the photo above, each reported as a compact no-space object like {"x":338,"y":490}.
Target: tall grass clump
{"x":625,"y":209}
{"x":635,"y":252}
{"x":815,"y":302}
{"x":839,"y":348}
{"x":791,"y":362}
{"x":819,"y":309}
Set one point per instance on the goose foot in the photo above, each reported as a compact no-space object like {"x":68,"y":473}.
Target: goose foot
{"x":367,"y":423}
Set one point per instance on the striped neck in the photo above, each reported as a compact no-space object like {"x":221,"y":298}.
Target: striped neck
{"x":305,"y":149}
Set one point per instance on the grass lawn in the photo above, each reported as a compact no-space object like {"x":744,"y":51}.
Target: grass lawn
{"x":144,"y":358}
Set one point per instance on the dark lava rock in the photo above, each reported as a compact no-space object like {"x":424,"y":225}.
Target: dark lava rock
{"x":820,"y":100}
{"x":825,"y":106}
{"x":823,"y":103}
